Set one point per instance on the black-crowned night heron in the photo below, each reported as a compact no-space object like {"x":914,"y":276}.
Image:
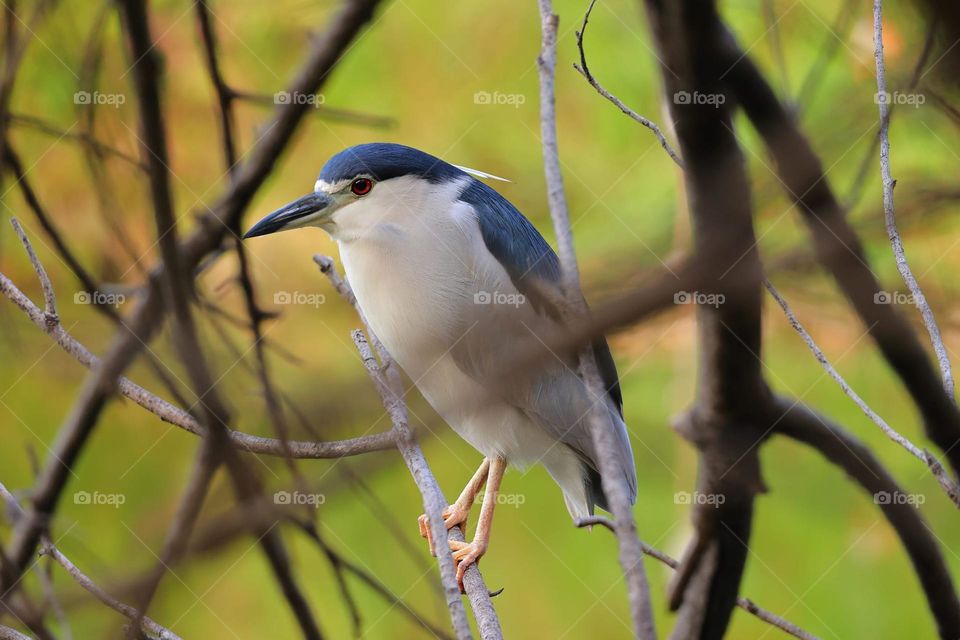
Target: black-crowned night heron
{"x":451,"y":277}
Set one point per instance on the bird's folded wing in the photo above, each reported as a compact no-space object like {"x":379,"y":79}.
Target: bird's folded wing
{"x":553,"y":396}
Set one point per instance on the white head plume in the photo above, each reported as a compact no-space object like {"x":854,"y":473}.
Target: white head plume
{"x":483,"y":175}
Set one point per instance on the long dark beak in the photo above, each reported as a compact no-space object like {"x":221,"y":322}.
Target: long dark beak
{"x":286,"y":216}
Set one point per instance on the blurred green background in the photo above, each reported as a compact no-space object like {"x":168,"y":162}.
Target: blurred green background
{"x":821,"y":554}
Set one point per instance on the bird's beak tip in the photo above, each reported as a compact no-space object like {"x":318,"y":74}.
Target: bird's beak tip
{"x":287,"y":216}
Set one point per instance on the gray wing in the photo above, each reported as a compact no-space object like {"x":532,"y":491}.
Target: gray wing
{"x":556,"y":394}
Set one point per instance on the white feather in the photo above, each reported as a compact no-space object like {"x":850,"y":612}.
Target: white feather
{"x":483,"y":175}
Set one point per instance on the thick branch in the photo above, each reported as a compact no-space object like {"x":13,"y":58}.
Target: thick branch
{"x":840,"y":251}
{"x":859,"y":463}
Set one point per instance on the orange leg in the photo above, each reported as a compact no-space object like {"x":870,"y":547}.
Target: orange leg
{"x":457,"y":512}
{"x":467,"y":553}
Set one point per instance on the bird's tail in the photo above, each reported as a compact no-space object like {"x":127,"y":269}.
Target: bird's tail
{"x":593,"y":482}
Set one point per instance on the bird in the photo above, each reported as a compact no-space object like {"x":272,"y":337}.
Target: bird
{"x":451,"y":278}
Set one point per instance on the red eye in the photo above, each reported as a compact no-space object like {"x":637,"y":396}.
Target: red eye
{"x":361,"y":186}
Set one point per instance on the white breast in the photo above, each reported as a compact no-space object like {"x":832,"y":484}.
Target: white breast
{"x":416,"y":263}
{"x":415,"y":274}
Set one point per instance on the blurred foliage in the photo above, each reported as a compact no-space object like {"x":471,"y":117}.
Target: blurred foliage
{"x":822,"y":555}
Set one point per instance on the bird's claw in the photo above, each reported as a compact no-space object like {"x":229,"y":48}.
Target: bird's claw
{"x":466,"y":554}
{"x":453,"y":515}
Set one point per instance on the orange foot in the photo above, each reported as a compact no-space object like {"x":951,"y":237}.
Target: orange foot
{"x":453,"y":515}
{"x":466,"y":554}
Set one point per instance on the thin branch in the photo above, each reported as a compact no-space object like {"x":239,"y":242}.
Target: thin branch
{"x":88,"y":140}
{"x":225,"y":102}
{"x":342,"y":563}
{"x":49,"y":299}
{"x":180,"y":418}
{"x":883,"y":102}
{"x":148,"y":315}
{"x":604,"y":441}
{"x":48,"y":548}
{"x":224,"y":95}
{"x":949,"y":486}
{"x":744,"y":603}
{"x":322,"y":110}
{"x":836,"y":34}
{"x":840,"y":250}
{"x":848,"y":453}
{"x":585,"y":72}
{"x":433,"y":500}
{"x":149,"y":626}
{"x":388,"y":384}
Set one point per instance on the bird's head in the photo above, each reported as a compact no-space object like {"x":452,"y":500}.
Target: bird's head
{"x":360,"y":184}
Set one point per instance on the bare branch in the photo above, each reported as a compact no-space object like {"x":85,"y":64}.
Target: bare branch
{"x":949,"y":486}
{"x":90,"y":141}
{"x":149,"y":626}
{"x":49,"y":299}
{"x":585,"y":72}
{"x":744,"y":603}
{"x":613,"y":483}
{"x":180,"y":418}
{"x":6,"y":633}
{"x":840,"y":250}
{"x":889,"y":183}
{"x":915,"y":534}
{"x":322,"y":111}
{"x":48,"y":548}
{"x":386,"y":380}
{"x":883,"y":102}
